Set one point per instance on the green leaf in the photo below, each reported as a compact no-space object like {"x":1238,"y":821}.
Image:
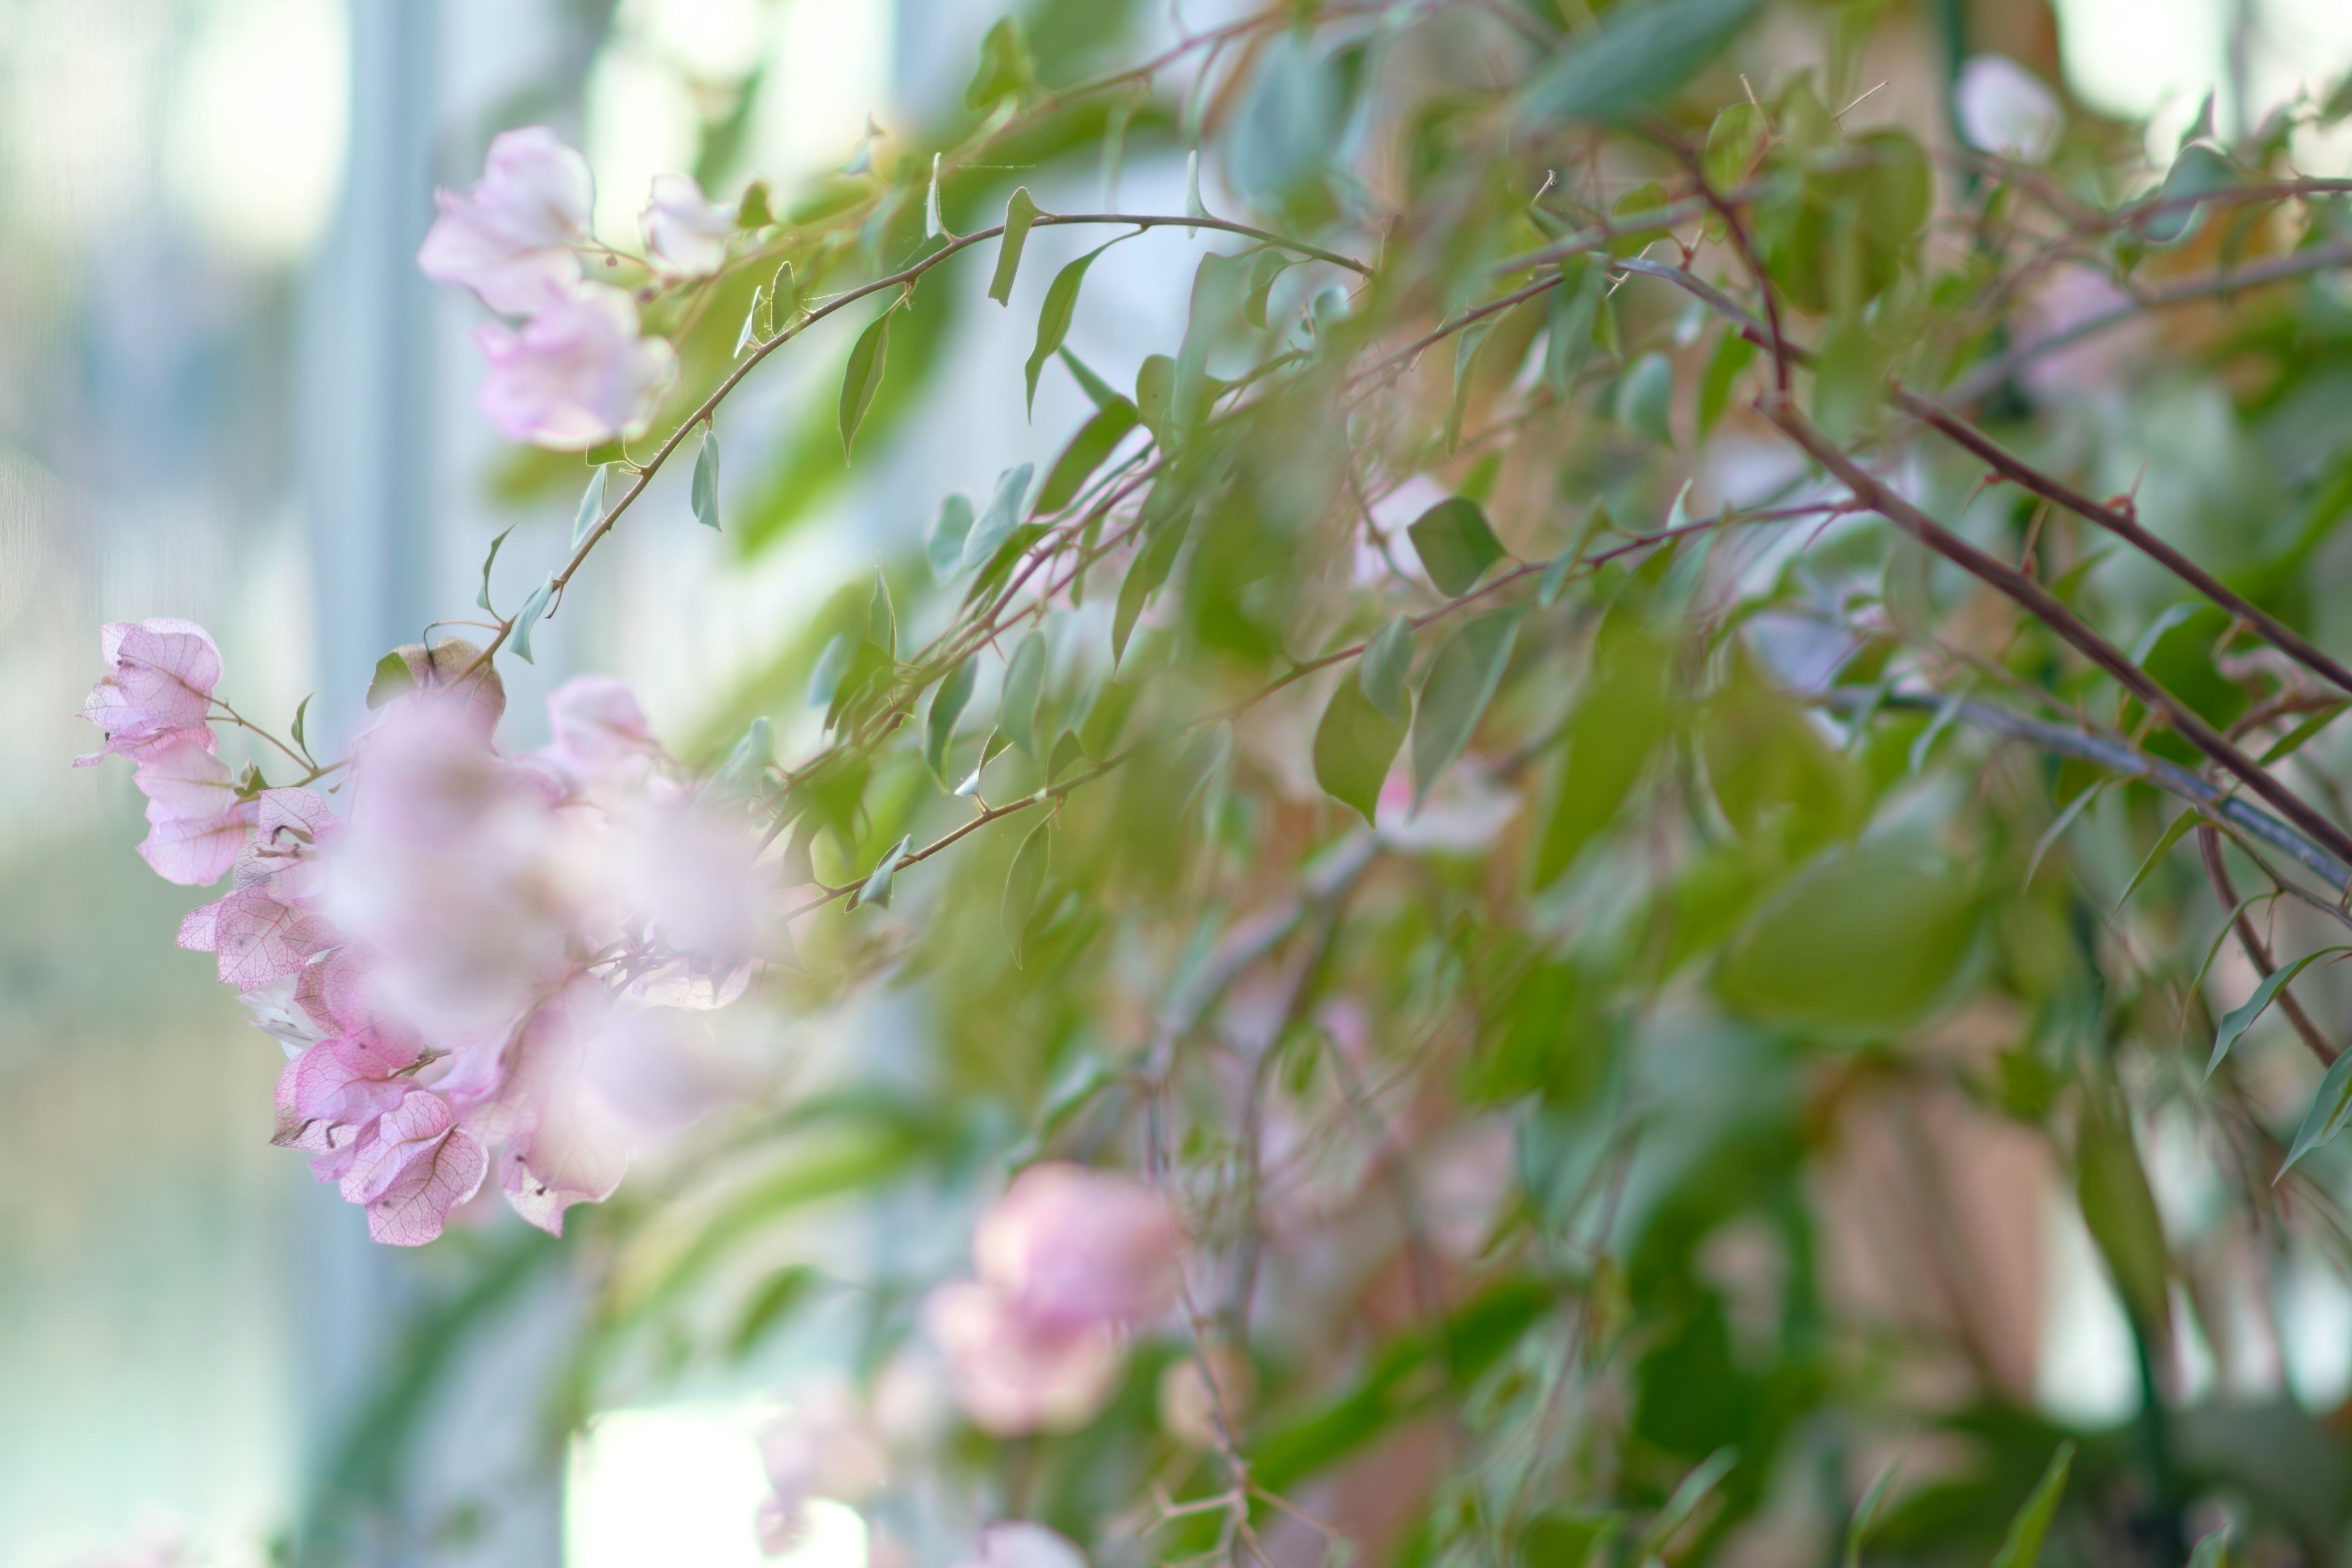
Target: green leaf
{"x":705,"y":488}
{"x":1007,"y":69}
{"x":944,"y":545}
{"x":1636,"y":57}
{"x":1219,"y":285}
{"x":1645,"y":398}
{"x":2330,"y":1108}
{"x":1732,"y":356}
{"x":1570,"y":314}
{"x":1354,"y":746}
{"x":825,"y":678}
{"x":590,"y":513}
{"x":2172,"y":836}
{"x":989,"y":750}
{"x":749,"y":759}
{"x":1162,"y":539}
{"x":1456,"y":545}
{"x":1193,"y":205}
{"x":864,"y":377}
{"x":2213,"y":1550}
{"x":784,"y":297}
{"x":1685,"y":1502}
{"x":1861,"y":943}
{"x":1023,"y":883}
{"x":2027,"y":1529}
{"x":1865,"y":1514}
{"x":528,"y":616}
{"x":1454,"y":696}
{"x":778,"y":1297}
{"x":1382,"y":670}
{"x":2119,"y":1211}
{"x":1019,"y":213}
{"x":1053,"y":316}
{"x":1265,"y":269}
{"x":996,"y":524}
{"x":1466,"y":345}
{"x":1732,"y":144}
{"x":882,"y":618}
{"x":1099,"y":393}
{"x":1067,"y":749}
{"x":1625,"y":715}
{"x":482,"y":598}
{"x":2240,"y":1018}
{"x":301,"y":714}
{"x":1025,"y":683}
{"x":1291,"y":122}
{"x":753,"y":211}
{"x":2294,"y":739}
{"x":392,"y":679}
{"x":875,"y":888}
{"x":933,"y":226}
{"x":758,"y":321}
{"x":1155,"y":394}
{"x":1093,"y":442}
{"x":947,"y":706}
{"x":2199,"y":171}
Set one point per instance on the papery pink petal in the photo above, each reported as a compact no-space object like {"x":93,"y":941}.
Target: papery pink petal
{"x":195,"y":852}
{"x":343,"y":1082}
{"x":576,"y":373}
{"x":595,"y":721}
{"x":256,"y":938}
{"x":686,"y":233}
{"x":1011,"y":1374}
{"x":158,"y":686}
{"x":508,"y":237}
{"x":413,"y":1208}
{"x":1074,"y":1246}
{"x":565,"y":1146}
{"x":181,"y":776}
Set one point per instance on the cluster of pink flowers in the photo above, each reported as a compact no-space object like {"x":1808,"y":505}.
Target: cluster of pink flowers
{"x":1069,"y":1262}
{"x":488,"y":959}
{"x":579,"y":370}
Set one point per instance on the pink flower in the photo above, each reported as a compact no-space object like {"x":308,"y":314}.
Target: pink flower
{"x":196,"y":824}
{"x":1012,"y":1374}
{"x":158,"y":686}
{"x":1023,"y":1543}
{"x":268,"y":926}
{"x":686,"y":235}
{"x":411,"y":1167}
{"x":2004,"y":107}
{"x":577,"y":372}
{"x":564,"y":1145}
{"x":598,"y":729}
{"x":510,"y":236}
{"x":1071,"y":1246}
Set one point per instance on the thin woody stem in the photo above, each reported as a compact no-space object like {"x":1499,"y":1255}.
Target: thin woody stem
{"x":2039,"y":603}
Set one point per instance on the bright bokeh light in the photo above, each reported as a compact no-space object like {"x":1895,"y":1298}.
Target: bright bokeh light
{"x":258,"y":124}
{"x":2156,"y":60}
{"x":2087,"y":1374}
{"x":681,"y":1486}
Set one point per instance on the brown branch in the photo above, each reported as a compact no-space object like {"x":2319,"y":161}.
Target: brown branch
{"x":2039,"y":603}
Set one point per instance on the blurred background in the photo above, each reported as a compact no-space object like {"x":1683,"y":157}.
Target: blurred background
{"x":227,"y":394}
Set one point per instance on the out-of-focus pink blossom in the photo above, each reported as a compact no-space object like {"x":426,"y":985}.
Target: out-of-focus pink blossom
{"x":825,"y":1446}
{"x":510,"y":236}
{"x":158,"y":686}
{"x":577,"y":372}
{"x":1071,"y":1246}
{"x":1010,"y":1373}
{"x":564,"y":1144}
{"x":596,"y":726}
{"x":686,"y":234}
{"x":2004,"y":107}
{"x":1023,"y":1543}
{"x":458,"y":875}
